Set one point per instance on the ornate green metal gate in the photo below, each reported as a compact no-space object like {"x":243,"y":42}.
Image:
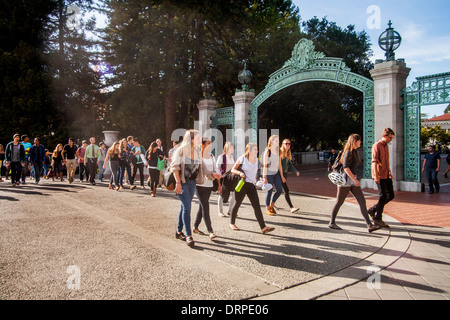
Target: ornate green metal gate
{"x":222,"y":117}
{"x":308,"y":65}
{"x":428,"y":90}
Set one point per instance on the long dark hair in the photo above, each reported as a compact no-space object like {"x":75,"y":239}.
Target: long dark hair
{"x":153,"y":145}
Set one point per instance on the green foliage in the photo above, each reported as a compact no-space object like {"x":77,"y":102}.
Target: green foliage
{"x":435,"y":134}
{"x":25,"y":103}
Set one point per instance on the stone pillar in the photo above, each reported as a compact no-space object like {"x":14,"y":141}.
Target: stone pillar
{"x":206,"y":108}
{"x":242,"y":101}
{"x":389,"y":79}
{"x":111,"y":137}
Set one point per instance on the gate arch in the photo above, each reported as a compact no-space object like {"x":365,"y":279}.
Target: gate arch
{"x":307,"y":65}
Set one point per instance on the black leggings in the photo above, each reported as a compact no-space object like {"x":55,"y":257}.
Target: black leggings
{"x":286,"y":191}
{"x":342,"y":193}
{"x":154,"y":178}
{"x":203,"y":194}
{"x":248,"y":189}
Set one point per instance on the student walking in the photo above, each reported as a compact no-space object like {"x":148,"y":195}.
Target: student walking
{"x":101,"y":161}
{"x":286,"y":164}
{"x":382,"y":175}
{"x":15,"y":159}
{"x":114,"y":157}
{"x":81,"y":151}
{"x":204,"y":190}
{"x":431,"y":166}
{"x":273,"y":173}
{"x":152,"y":155}
{"x":92,"y":157}
{"x":26,"y":167}
{"x":37,"y":159}
{"x":247,"y":168}
{"x":225,"y":162}
{"x":69,"y":156}
{"x":188,"y":169}
{"x":58,"y":162}
{"x":350,"y":161}
{"x":448,"y":166}
{"x":138,"y":151}
{"x":2,"y":161}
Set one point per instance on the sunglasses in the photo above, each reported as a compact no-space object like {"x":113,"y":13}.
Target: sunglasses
{"x":288,"y":143}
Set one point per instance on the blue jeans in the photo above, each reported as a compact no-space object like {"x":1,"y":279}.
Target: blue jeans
{"x":38,"y":168}
{"x":432,"y":179}
{"x":275,"y":181}
{"x":184,"y":216}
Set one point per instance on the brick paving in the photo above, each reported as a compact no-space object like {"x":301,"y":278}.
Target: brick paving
{"x":410,"y":208}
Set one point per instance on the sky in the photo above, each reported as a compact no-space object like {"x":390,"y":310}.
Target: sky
{"x":423,"y":25}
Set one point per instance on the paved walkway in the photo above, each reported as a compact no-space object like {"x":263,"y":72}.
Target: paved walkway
{"x":61,"y":241}
{"x":421,"y":238}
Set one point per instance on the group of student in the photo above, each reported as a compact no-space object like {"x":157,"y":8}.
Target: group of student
{"x":195,"y":171}
{"x":21,"y":158}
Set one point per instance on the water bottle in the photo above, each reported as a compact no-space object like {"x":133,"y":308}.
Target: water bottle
{"x":239,"y":185}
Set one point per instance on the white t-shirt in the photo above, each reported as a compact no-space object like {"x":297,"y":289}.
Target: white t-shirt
{"x":209,"y":163}
{"x":250,"y":170}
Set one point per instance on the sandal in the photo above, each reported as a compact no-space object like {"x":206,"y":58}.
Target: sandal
{"x":334,"y":226}
{"x":198,"y":232}
{"x":267,"y":229}
{"x":233,"y":227}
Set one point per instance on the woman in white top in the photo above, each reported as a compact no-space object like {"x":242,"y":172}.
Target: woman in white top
{"x":273,"y":173}
{"x":203,"y":190}
{"x":249,"y":169}
{"x":225,"y":162}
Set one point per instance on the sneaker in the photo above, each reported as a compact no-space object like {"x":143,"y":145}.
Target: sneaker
{"x":221,"y":214}
{"x":294,"y":210}
{"x":180,"y":235}
{"x":380,"y":223}
{"x":212,"y":236}
{"x":372,"y":228}
{"x":190,"y":241}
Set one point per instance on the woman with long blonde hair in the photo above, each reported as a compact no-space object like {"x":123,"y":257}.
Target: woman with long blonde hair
{"x":273,"y":173}
{"x":350,"y":161}
{"x":188,"y":169}
{"x":286,"y":164}
{"x":248,"y":170}
{"x":57,"y":161}
{"x":113,"y":155}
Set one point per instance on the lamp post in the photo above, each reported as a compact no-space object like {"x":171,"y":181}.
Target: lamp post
{"x":390,"y":41}
{"x":245,"y":77}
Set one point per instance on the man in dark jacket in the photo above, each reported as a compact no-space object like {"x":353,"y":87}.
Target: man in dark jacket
{"x":15,"y":158}
{"x":37,"y":158}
